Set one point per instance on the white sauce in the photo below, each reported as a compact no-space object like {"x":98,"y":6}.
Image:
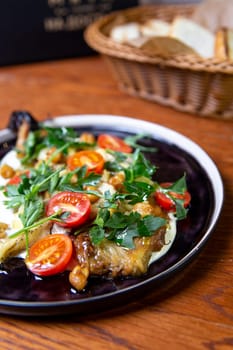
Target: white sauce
{"x":7,"y":215}
{"x":13,"y":161}
{"x":169,"y":239}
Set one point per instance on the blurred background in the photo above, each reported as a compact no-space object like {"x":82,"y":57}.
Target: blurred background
{"x":144,"y":2}
{"x":52,"y":29}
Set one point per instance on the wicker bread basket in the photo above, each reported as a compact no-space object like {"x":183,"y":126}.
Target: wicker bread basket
{"x":185,"y":82}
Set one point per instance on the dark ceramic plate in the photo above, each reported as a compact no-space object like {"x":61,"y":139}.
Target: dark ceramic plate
{"x":23,"y":294}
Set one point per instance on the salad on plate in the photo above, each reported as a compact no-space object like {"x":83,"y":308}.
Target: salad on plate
{"x":85,"y":203}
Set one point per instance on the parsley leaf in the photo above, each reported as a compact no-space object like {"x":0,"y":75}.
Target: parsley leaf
{"x":83,"y":179}
{"x":141,"y":167}
{"x":28,"y":193}
{"x":32,"y":211}
{"x":138,"y":191}
{"x":123,"y":228}
{"x":97,"y":234}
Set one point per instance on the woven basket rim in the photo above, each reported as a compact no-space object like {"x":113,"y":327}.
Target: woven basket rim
{"x":100,"y":42}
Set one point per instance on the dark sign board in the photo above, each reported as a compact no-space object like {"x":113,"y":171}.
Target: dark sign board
{"x":35,"y":30}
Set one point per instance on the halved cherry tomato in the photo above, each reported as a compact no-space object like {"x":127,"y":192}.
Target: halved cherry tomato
{"x":76,"y":205}
{"x":15,"y":180}
{"x":114,"y":143}
{"x":92,"y":159}
{"x":166,"y":202}
{"x":50,"y":255}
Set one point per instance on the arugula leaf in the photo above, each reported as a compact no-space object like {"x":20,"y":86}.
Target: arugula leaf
{"x":57,"y":137}
{"x":141,"y":167}
{"x":116,"y":165}
{"x":15,"y":200}
{"x":33,"y":210}
{"x":32,"y":146}
{"x":179,"y":186}
{"x":60,"y":138}
{"x":83,"y":179}
{"x":132,"y":141}
{"x":27,"y":193}
{"x":113,"y":166}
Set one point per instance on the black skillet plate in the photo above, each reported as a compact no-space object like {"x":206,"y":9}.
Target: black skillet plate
{"x":21,"y":293}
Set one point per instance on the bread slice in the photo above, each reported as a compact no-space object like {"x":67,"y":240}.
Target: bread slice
{"x":155,"y":27}
{"x":220,"y":45}
{"x":125,"y":32}
{"x":193,"y":35}
{"x":166,"y":46}
{"x":224,"y":44}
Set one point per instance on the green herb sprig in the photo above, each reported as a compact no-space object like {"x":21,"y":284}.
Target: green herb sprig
{"x":26,"y":229}
{"x":47,"y":137}
{"x":123,"y":228}
{"x":133,"y":142}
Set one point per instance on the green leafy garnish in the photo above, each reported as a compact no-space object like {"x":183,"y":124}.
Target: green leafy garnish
{"x":115,"y":221}
{"x":178,"y":187}
{"x":46,"y":137}
{"x":123,"y":228}
{"x":38,"y":223}
{"x":83,"y":179}
{"x":140,"y":167}
{"x":132,"y":141}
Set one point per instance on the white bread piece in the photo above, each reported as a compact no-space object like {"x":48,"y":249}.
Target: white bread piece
{"x":155,"y":27}
{"x":125,"y":32}
{"x":220,"y":44}
{"x":138,"y":42}
{"x":224,"y":44}
{"x":193,"y":35}
{"x":230,"y":43}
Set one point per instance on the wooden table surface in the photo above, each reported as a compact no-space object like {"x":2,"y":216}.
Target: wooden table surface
{"x":196,"y":313}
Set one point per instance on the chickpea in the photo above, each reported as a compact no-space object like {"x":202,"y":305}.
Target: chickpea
{"x":3,"y":228}
{"x":78,"y":277}
{"x":7,"y":171}
{"x":117,"y":180}
{"x":144,"y":208}
{"x":56,"y":157}
{"x":148,"y":208}
{"x":87,"y":137}
{"x":93,"y":198}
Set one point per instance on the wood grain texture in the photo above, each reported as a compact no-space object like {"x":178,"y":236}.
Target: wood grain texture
{"x":197,"y":312}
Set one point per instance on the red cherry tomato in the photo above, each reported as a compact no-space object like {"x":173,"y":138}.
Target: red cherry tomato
{"x":15,"y":180}
{"x":50,"y":255}
{"x":76,"y":205}
{"x":166,"y":202}
{"x":92,"y":159}
{"x":114,"y":143}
